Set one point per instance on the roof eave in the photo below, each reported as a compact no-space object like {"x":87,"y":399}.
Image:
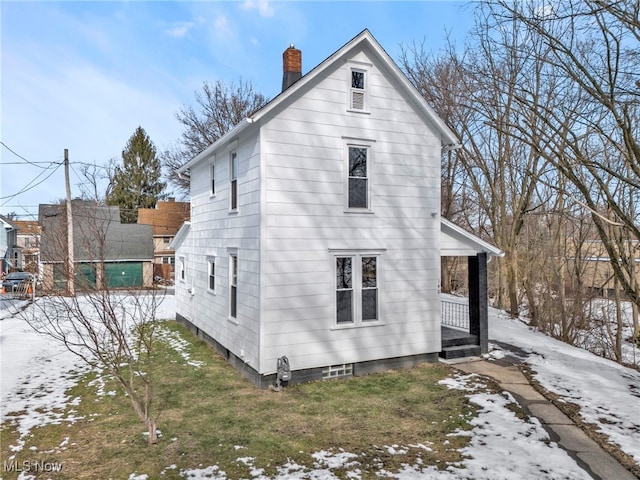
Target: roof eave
{"x":235,"y":131}
{"x":482,"y":246}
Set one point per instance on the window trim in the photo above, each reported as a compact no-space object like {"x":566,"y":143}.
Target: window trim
{"x":368,"y":145}
{"x":233,"y":180}
{"x":212,"y":177}
{"x":356,"y":288}
{"x":211,"y":262}
{"x":233,"y":286}
{"x":183,"y":269}
{"x":364,"y":91}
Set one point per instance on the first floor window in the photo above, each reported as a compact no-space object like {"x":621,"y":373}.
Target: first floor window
{"x":369,"y":289}
{"x":182,"y":269}
{"x":344,"y":290}
{"x":212,"y":274}
{"x":233,"y":285}
{"x":356,"y":289}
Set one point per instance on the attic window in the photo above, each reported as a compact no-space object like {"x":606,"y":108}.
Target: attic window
{"x":358,"y":91}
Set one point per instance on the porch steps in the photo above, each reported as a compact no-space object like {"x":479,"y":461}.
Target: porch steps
{"x":460,"y":351}
{"x":459,"y":344}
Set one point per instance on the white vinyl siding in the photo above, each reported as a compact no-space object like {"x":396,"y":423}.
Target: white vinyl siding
{"x":305,"y":197}
{"x":290,"y":187}
{"x":216,"y":233}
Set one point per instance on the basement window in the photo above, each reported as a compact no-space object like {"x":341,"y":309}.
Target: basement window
{"x":337,"y":371}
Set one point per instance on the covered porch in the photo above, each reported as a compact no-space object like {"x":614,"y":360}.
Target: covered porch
{"x":464,"y":321}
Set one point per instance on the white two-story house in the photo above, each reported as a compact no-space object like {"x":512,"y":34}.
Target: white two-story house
{"x":315,"y":227}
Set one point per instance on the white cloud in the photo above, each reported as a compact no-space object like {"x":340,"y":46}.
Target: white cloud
{"x":180,"y":30}
{"x":58,"y":101}
{"x":222,"y":26}
{"x":264,"y":8}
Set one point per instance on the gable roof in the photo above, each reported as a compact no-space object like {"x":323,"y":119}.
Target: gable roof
{"x":27,"y":227}
{"x":180,"y":237}
{"x":8,"y":224}
{"x":457,"y":242}
{"x":98,"y":234}
{"x":363,"y":39}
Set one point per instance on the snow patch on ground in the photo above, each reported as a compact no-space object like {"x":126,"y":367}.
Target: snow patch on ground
{"x":501,"y":447}
{"x":36,"y":373}
{"x":607,"y":393}
{"x":179,"y":344}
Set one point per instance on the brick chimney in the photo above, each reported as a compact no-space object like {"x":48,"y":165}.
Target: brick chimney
{"x":291,"y":66}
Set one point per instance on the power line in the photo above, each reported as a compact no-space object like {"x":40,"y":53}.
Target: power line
{"x":35,"y":164}
{"x":29,"y":185}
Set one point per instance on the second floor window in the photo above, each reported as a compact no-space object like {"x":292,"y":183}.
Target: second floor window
{"x":358,"y":177}
{"x":213,"y":178}
{"x":233,"y":179}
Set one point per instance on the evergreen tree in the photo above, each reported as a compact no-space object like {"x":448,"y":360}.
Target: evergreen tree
{"x":136,"y":183}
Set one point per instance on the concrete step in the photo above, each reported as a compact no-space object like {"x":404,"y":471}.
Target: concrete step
{"x":462,"y":339}
{"x":460,"y":351}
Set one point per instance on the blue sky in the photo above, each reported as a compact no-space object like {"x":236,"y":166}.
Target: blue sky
{"x":84,"y":75}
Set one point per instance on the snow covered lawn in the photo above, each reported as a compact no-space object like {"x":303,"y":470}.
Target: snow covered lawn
{"x":36,"y":375}
{"x":607,"y":393}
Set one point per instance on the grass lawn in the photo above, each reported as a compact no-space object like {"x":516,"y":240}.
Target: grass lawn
{"x":210,"y":415}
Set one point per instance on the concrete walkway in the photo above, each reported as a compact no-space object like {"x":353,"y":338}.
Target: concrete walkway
{"x":589,"y":455}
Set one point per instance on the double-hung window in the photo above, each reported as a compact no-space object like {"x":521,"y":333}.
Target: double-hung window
{"x":356,"y":289}
{"x":358,"y":177}
{"x":233,"y":180}
{"x":182,"y":269}
{"x":212,"y":179}
{"x":358,"y":168}
{"x":233,"y":285}
{"x":211,"y":263}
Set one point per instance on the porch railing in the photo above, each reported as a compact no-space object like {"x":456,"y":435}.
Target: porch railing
{"x":455,"y":313}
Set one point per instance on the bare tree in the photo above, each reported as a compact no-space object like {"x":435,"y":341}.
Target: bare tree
{"x":592,"y":137}
{"x":473,"y":92}
{"x":219,"y":107}
{"x":113,"y":329}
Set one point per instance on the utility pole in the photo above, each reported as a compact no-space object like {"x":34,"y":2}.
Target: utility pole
{"x":70,"y":266}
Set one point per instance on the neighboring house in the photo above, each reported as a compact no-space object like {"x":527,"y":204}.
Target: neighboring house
{"x":315,"y":230}
{"x":29,"y":242}
{"x":10,"y":251}
{"x":594,"y":264}
{"x":166,"y":219}
{"x":106,"y":252}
